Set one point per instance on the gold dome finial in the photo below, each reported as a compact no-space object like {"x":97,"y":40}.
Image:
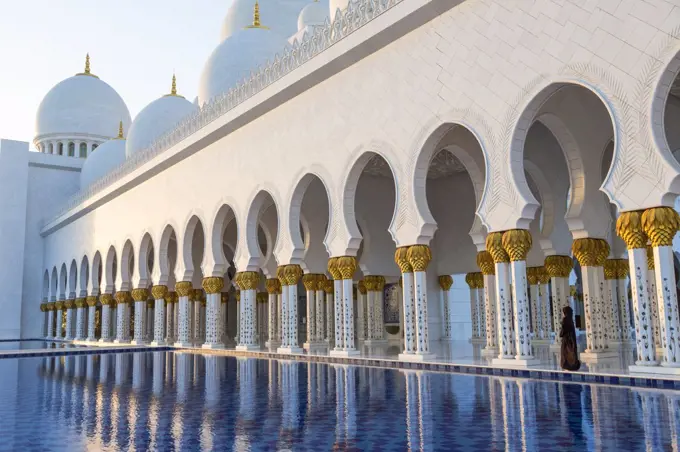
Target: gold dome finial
{"x":87,"y":67}
{"x":256,"y":18}
{"x":173,"y":89}
{"x":120,"y":131}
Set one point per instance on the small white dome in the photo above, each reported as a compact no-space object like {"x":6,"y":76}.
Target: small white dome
{"x":312,"y":15}
{"x":101,"y":161}
{"x":235,"y":58}
{"x":156,"y":119}
{"x":279,"y":15}
{"x":83,"y":105}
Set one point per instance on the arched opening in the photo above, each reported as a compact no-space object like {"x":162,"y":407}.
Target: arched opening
{"x":46,"y":286}
{"x":224,"y":240}
{"x":262,"y":215}
{"x":94,"y":146}
{"x":60,"y":148}
{"x":51,"y":148}
{"x":71,"y":149}
{"x":84,"y":277}
{"x":97,"y":274}
{"x":63,"y":283}
{"x":72,"y":280}
{"x":167,"y":258}
{"x":127,"y":266}
{"x":193,"y":251}
{"x":82,"y":153}
{"x":309,"y":220}
{"x":671,"y":110}
{"x":111,"y":271}
{"x":146,"y":262}
{"x":54,"y":285}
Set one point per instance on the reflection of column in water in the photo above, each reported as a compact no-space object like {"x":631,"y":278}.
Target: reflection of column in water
{"x":425,"y":411}
{"x":339,"y":408}
{"x":170,"y":368}
{"x":511,"y":427}
{"x":158,"y":366}
{"x":289,"y":395}
{"x":138,"y":371}
{"x":651,"y":419}
{"x":246,"y":386}
{"x":412,"y":436}
{"x":527,"y":411}
{"x":212,"y":381}
{"x":183,"y":373}
{"x":122,"y":360}
{"x":311,"y":387}
{"x":273,"y":376}
{"x":350,"y":406}
{"x":178,"y":424}
{"x":495,"y":412}
{"x":674,"y":419}
{"x":104,"y":367}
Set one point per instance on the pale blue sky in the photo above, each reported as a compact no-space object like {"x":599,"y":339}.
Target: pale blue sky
{"x":134,"y":45}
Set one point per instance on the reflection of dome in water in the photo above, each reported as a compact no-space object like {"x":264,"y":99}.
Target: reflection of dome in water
{"x":103,"y":160}
{"x":82,"y":105}
{"x":156,"y":119}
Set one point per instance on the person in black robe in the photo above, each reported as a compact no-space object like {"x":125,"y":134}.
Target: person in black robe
{"x":569,"y":352}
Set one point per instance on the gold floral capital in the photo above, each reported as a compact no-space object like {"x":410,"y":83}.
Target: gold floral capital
{"x":328,"y":286}
{"x":150,"y":304}
{"x":91,"y":301}
{"x":347,"y":265}
{"x":650,"y":258}
{"x":532,"y":276}
{"x":494,"y":245}
{"x":445,"y":282}
{"x":361,"y":286}
{"x":610,"y":269}
{"x":58,"y":305}
{"x":122,"y":297}
{"x":559,"y":266}
{"x":184,"y":288}
{"x":629,"y":228}
{"x":470,"y":280}
{"x":419,"y":256}
{"x":479,"y":280}
{"x":198,"y":295}
{"x":106,"y":299}
{"x":542,"y":275}
{"x":485,"y":263}
{"x":293,"y":274}
{"x":517,"y":243}
{"x":660,"y":224}
{"x":273,"y":285}
{"x":589,"y":252}
{"x":224,"y":297}
{"x":309,"y":280}
{"x":43,"y":307}
{"x":70,"y":304}
{"x":401,"y":258}
{"x":159,"y":292}
{"x":140,"y":294}
{"x":281,"y":274}
{"x":80,"y":303}
{"x":622,"y":268}
{"x":262,"y":297}
{"x":50,"y":306}
{"x":213,"y":284}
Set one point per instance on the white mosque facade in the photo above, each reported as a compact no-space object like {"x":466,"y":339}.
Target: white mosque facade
{"x":465,"y":159}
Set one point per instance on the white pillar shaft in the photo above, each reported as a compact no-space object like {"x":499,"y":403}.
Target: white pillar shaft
{"x":339,"y":315}
{"x":503,"y":300}
{"x":521,"y":309}
{"x":159,"y":322}
{"x":80,"y":324}
{"x":140,"y":322}
{"x":474,"y":315}
{"x":293,"y":315}
{"x":545,"y":310}
{"x":320,"y":328}
{"x":408,"y":313}
{"x":123,"y":326}
{"x":92,"y":310}
{"x":378,"y":316}
{"x":106,"y":323}
{"x":536,"y":319}
{"x":272,"y":305}
{"x":284,"y":317}
{"x":592,"y":305}
{"x":654,"y":307}
{"x":247,"y":303}
{"x":612,"y":311}
{"x":196,"y":321}
{"x":560,"y":295}
{"x":223,"y":319}
{"x":183,"y":319}
{"x":213,"y":320}
{"x":481,"y":312}
{"x":624,"y":310}
{"x":170,"y":323}
{"x":348,"y":313}
{"x":57,"y":322}
{"x":421,"y":319}
{"x":669,"y":327}
{"x":311,"y":316}
{"x":50,"y":324}
{"x":644,"y":338}
{"x":69,"y":324}
{"x":365,"y":320}
{"x":330,"y":320}
{"x":490,"y":308}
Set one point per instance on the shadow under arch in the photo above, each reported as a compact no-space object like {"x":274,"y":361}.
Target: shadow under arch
{"x":295,"y":212}
{"x":262,"y":201}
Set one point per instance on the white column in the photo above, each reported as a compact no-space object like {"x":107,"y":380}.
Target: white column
{"x":534,"y":294}
{"x":339,"y":318}
{"x":611,"y":302}
{"x":622,"y":269}
{"x":196,"y":317}
{"x":272,"y":308}
{"x":310,"y":281}
{"x":521,"y":310}
{"x":123,"y":300}
{"x":486,"y":264}
{"x":69,"y":304}
{"x":213,"y":313}
{"x":184,"y":289}
{"x":293,"y":274}
{"x":653,"y":301}
{"x":344,"y":268}
{"x":91,"y":302}
{"x":348,"y":313}
{"x":330,"y":313}
{"x":544,"y":303}
{"x":419,"y":256}
{"x":644,"y":338}
{"x":50,"y":321}
{"x":283,"y":316}
{"x":170,"y":304}
{"x":408,"y":314}
{"x":474,"y":314}
{"x":661,"y":224}
{"x":80,"y":319}
{"x":481,"y":311}
{"x":364,"y":314}
{"x":378,"y":313}
{"x":558,"y":269}
{"x":140,"y":296}
{"x":320,"y":302}
{"x":224,"y":300}
{"x":106,"y":300}
{"x":159,"y":294}
{"x":503,"y":297}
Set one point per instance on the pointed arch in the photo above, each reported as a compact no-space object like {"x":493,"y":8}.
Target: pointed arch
{"x":63,"y":282}
{"x":262,"y":201}
{"x":145,"y":261}
{"x":83,"y":281}
{"x":225,"y":215}
{"x":167,"y":256}
{"x":96,"y":274}
{"x":110,"y":270}
{"x":193,"y":225}
{"x":127,"y":266}
{"x":295,"y":212}
{"x":54,"y":286}
{"x":46,"y":286}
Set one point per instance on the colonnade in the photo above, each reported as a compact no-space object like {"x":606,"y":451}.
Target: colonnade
{"x":54,"y":147}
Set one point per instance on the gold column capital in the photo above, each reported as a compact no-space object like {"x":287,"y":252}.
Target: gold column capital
{"x":532,"y":275}
{"x":262,"y":297}
{"x":70,"y":304}
{"x":159,"y":292}
{"x":419,"y":256}
{"x":650,"y":258}
{"x":281,"y":275}
{"x":198,"y":295}
{"x":170,"y":297}
{"x":542,"y":275}
{"x":401,"y":258}
{"x":80,"y":302}
{"x":590,"y":252}
{"x":273,"y":285}
{"x":293,"y":273}
{"x":328,"y":286}
{"x":224,"y":297}
{"x":494,"y":245}
{"x":213,"y":284}
{"x":184,"y":288}
{"x":479,"y":280}
{"x":91,"y":301}
{"x":122,"y":297}
{"x":661,"y":224}
{"x":610,"y":269}
{"x":361,"y":286}
{"x":309,"y":280}
{"x":517,"y":243}
{"x":140,"y":294}
{"x":106,"y":299}
{"x":58,"y":305}
{"x":470,"y":280}
{"x":622,"y":268}
{"x":559,"y":266}
{"x":485,"y":263}
{"x":151,"y":304}
{"x":629,"y":228}
{"x":347,"y":265}
{"x":43,"y":307}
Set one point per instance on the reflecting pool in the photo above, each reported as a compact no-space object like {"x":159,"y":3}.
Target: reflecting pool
{"x":190,"y":402}
{"x":33,"y":345}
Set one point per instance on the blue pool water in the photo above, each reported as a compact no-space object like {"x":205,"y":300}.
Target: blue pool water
{"x":32,"y":345}
{"x":179,"y":401}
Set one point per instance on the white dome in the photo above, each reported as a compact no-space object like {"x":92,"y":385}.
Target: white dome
{"x":101,"y":161}
{"x":314,"y":14}
{"x":82,"y":104}
{"x":156,"y":119}
{"x":235,"y":58}
{"x":279,"y":15}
